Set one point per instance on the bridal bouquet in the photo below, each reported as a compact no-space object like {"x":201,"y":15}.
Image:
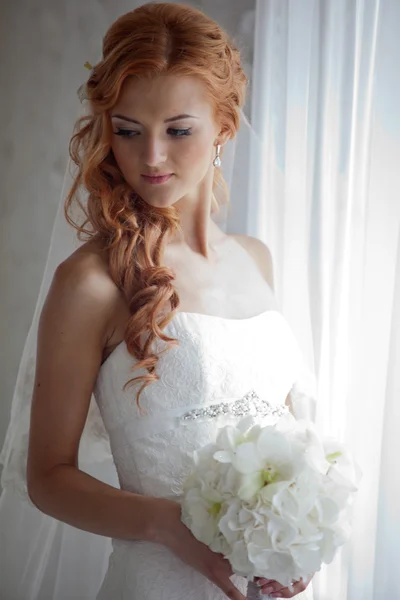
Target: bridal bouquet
{"x":273,"y":499}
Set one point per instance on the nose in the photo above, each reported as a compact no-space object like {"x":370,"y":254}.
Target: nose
{"x":154,"y":151}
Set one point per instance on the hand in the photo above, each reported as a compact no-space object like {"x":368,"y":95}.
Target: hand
{"x":276,"y":590}
{"x":212,"y":565}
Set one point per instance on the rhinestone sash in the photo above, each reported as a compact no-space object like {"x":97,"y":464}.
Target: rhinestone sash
{"x":250,"y":404}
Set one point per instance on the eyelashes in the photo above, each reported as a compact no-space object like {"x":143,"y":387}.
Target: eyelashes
{"x":129,"y":133}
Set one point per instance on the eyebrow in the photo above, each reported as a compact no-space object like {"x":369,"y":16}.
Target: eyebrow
{"x":177,"y":118}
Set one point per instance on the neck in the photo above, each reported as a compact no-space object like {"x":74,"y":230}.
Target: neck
{"x":198,"y":230}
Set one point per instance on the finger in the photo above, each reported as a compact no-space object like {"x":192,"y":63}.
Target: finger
{"x":272,"y":586}
{"x":262,"y":580}
{"x":298,"y":587}
{"x":272,"y":589}
{"x":285,"y":593}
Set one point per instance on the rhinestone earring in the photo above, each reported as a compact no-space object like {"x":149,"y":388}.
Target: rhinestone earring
{"x":217,"y":159}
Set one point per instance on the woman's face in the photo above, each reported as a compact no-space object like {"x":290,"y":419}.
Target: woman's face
{"x":164,"y":126}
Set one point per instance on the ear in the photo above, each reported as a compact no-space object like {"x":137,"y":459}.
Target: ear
{"x":222,"y":139}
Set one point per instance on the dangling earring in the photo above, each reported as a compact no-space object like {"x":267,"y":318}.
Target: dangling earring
{"x":217,"y":159}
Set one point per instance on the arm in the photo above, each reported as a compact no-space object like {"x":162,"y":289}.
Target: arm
{"x":73,"y":331}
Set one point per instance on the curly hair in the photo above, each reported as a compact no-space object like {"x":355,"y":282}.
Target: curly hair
{"x":155,"y":39}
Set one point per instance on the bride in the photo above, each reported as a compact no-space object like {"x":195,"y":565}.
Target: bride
{"x":157,"y":312}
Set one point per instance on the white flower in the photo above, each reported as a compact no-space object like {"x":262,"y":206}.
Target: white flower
{"x":239,"y":558}
{"x":293,"y":499}
{"x":342,"y":468}
{"x":198,"y":517}
{"x":272,"y":564}
{"x":262,"y":457}
{"x":274,"y":499}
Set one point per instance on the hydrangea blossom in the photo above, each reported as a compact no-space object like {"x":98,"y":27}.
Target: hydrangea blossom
{"x":273,"y":499}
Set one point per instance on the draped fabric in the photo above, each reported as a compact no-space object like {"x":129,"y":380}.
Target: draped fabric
{"x":325,"y":197}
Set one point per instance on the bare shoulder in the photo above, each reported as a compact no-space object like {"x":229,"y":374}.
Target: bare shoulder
{"x":83,"y":290}
{"x":87,"y":263}
{"x":85,"y":273}
{"x":260,"y":253}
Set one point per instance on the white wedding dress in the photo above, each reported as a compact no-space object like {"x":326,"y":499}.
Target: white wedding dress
{"x":218,"y":360}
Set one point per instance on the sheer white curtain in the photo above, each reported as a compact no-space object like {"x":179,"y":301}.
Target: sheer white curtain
{"x":325,"y":197}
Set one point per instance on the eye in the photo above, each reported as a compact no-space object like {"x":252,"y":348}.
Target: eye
{"x":125,"y":133}
{"x":180,"y":132}
{"x":129,"y":133}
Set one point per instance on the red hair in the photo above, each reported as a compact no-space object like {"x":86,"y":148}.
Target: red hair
{"x":154,"y":39}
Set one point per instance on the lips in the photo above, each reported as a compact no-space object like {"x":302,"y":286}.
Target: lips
{"x":156,"y":178}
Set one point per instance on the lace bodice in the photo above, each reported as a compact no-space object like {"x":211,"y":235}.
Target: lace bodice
{"x":217,"y":360}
